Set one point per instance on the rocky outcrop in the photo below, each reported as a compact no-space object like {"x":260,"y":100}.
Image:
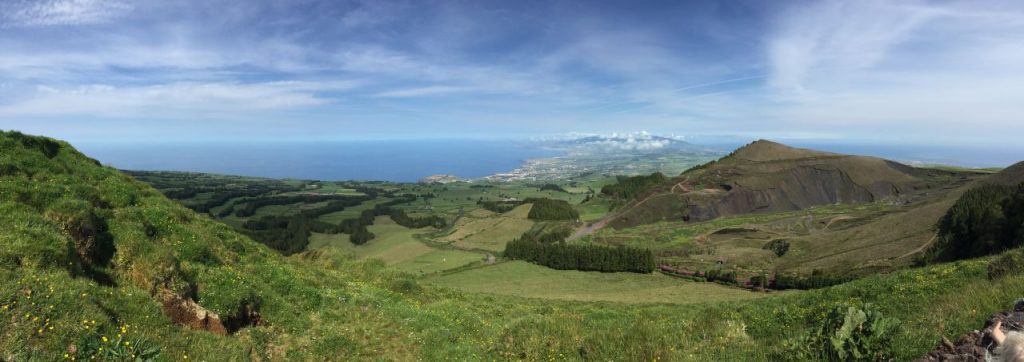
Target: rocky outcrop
{"x":188,"y":313}
{"x":977,"y":345}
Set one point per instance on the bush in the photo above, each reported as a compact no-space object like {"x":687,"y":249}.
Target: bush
{"x":777,"y":246}
{"x":1009,"y":263}
{"x":847,"y":334}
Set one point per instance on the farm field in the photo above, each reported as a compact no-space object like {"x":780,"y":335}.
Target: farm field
{"x":522,"y":279}
{"x":485,"y":230}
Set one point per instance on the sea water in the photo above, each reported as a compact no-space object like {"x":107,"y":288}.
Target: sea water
{"x":385,"y":160}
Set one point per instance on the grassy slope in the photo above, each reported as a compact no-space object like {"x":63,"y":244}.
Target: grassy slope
{"x":490,"y":231}
{"x":319,"y":306}
{"x":523,"y":279}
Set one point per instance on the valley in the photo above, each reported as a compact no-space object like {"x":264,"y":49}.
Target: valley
{"x":303,"y":269}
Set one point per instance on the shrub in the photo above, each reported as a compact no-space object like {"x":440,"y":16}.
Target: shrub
{"x":847,"y":334}
{"x":1009,"y":263}
{"x":777,"y":246}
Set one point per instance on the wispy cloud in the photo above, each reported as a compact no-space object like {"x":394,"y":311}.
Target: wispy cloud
{"x":171,"y":100}
{"x":933,"y":70}
{"x":425,"y":91}
{"x":60,"y":12}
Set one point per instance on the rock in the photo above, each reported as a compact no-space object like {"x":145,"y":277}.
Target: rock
{"x":186,"y":312}
{"x":976,"y":345}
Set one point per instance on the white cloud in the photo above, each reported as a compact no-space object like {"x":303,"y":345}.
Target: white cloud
{"x":236,"y":100}
{"x":840,"y":36}
{"x":61,"y":12}
{"x":438,"y":90}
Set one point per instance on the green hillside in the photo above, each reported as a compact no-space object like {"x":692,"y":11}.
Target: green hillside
{"x":94,"y":263}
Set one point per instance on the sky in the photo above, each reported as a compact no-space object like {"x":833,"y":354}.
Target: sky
{"x":928,"y":72}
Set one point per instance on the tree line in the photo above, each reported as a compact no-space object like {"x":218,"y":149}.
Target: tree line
{"x":986,"y":220}
{"x":817,"y":278}
{"x":342,"y":201}
{"x":629,"y":187}
{"x":551,"y":210}
{"x":357,"y":227}
{"x":289,"y":234}
{"x":586,"y":257}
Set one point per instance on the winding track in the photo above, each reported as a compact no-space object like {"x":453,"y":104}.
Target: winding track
{"x":600,"y":224}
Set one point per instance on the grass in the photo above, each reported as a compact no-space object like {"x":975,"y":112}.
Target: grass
{"x":818,"y":235}
{"x":594,"y":210}
{"x":522,"y":279}
{"x":394,"y":243}
{"x":318,"y":240}
{"x":399,"y":248}
{"x":491,"y":231}
{"x":324,"y":305}
{"x":437,"y":261}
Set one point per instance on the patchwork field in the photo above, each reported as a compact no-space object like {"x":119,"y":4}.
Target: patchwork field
{"x":489,"y":231}
{"x":523,"y":279}
{"x":398,"y":247}
{"x":832,"y":238}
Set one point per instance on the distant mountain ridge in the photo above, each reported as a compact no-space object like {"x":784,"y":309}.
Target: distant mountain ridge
{"x":630,"y":143}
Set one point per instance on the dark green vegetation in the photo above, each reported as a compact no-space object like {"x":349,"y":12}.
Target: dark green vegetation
{"x":552,"y":187}
{"x":586,"y":257}
{"x":551,"y":210}
{"x":984,"y":221}
{"x":628,"y":187}
{"x":777,"y":246}
{"x":284,"y":214}
{"x":64,"y":215}
{"x":847,"y":334}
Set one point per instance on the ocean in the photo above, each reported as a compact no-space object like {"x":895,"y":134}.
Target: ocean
{"x":411,"y":160}
{"x":391,"y":160}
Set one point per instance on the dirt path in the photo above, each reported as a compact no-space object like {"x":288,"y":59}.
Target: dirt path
{"x":920,"y":248}
{"x":592,"y":228}
{"x":600,"y":224}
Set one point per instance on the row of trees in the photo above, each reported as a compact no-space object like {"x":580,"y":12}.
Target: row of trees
{"x":500,"y":207}
{"x":357,"y":227}
{"x":817,"y":279}
{"x":342,"y":201}
{"x":289,"y":234}
{"x":985,"y":220}
{"x":551,"y":210}
{"x":587,"y":257}
{"x":629,"y":187}
{"x":553,"y":187}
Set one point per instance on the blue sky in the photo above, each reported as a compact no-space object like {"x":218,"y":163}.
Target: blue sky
{"x":879,"y":71}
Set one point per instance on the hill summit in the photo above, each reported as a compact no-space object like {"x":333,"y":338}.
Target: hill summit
{"x":764,"y":150}
{"x":766,"y":176}
{"x":1009,"y":176}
